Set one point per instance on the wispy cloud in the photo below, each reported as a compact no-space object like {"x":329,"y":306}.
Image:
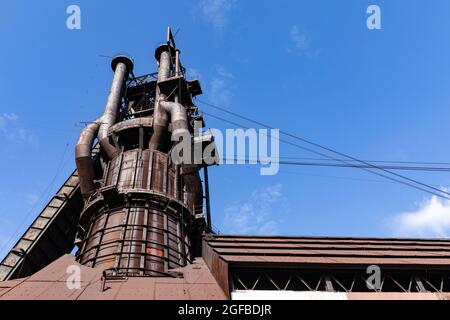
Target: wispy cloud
{"x":298,"y":38}
{"x":256,"y":215}
{"x":10,"y":116}
{"x":221,"y":85}
{"x":7,"y":119}
{"x":216,"y":12}
{"x":220,"y":94}
{"x":13,"y":131}
{"x":193,"y":73}
{"x":221,"y":71}
{"x":431,"y":218}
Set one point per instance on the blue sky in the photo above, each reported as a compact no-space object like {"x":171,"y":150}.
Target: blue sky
{"x":308,"y":67}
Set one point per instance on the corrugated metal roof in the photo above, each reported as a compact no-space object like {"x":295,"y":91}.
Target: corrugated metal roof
{"x":227,"y":255}
{"x":208,"y":277}
{"x":331,"y":250}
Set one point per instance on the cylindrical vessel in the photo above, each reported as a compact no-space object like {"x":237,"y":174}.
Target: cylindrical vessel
{"x":142,"y":214}
{"x":145,"y":233}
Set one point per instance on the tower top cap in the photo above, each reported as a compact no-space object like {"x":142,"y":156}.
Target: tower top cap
{"x":126,"y":59}
{"x":164,"y":47}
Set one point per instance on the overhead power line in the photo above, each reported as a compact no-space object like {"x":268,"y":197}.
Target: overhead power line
{"x":342,"y":165}
{"x":412,"y":183}
{"x":375,"y":161}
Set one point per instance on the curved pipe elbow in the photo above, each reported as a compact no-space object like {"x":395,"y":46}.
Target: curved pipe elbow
{"x":178,"y":117}
{"x":83,"y":158}
{"x":180,"y":128}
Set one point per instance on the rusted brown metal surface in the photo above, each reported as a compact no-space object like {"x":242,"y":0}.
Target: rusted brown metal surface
{"x":233,"y":258}
{"x":217,"y":265}
{"x":128,"y":207}
{"x":193,"y":282}
{"x":331,"y":251}
{"x":143,"y":211}
{"x":219,"y":272}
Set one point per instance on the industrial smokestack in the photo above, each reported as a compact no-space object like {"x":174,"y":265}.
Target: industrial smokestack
{"x":122,"y":66}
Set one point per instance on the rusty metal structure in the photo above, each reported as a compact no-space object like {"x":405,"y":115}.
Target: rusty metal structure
{"x":141,"y":221}
{"x":135,"y":210}
{"x":143,"y":211}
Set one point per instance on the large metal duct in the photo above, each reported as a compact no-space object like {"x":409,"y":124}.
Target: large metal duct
{"x":178,"y":118}
{"x":191,"y":177}
{"x":83,"y":158}
{"x":160,"y":120}
{"x":122,"y":66}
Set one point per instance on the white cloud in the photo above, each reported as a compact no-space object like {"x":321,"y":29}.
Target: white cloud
{"x":431,"y":218}
{"x":10,"y":116}
{"x":298,"y":38}
{"x":11,"y":129}
{"x":256,"y":215}
{"x":221,"y":71}
{"x":7,"y":119}
{"x":216,"y":12}
{"x":221,"y":87}
{"x":193,"y":73}
{"x":220,"y":93}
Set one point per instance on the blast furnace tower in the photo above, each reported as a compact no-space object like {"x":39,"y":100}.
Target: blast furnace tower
{"x":136,"y":211}
{"x":143,"y":210}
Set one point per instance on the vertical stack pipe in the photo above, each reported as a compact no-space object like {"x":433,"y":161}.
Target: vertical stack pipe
{"x":158,"y":141}
{"x":121,"y":66}
{"x":178,"y":120}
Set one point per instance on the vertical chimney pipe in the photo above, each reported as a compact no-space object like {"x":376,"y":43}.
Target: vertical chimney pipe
{"x":159,"y":137}
{"x":122,"y":66}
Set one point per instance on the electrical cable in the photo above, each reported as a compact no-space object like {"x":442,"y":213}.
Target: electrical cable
{"x":340,"y":165}
{"x":327,"y":149}
{"x":343,"y":161}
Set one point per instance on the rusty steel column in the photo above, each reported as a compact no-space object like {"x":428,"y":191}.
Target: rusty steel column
{"x":121,"y":66}
{"x":158,"y":140}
